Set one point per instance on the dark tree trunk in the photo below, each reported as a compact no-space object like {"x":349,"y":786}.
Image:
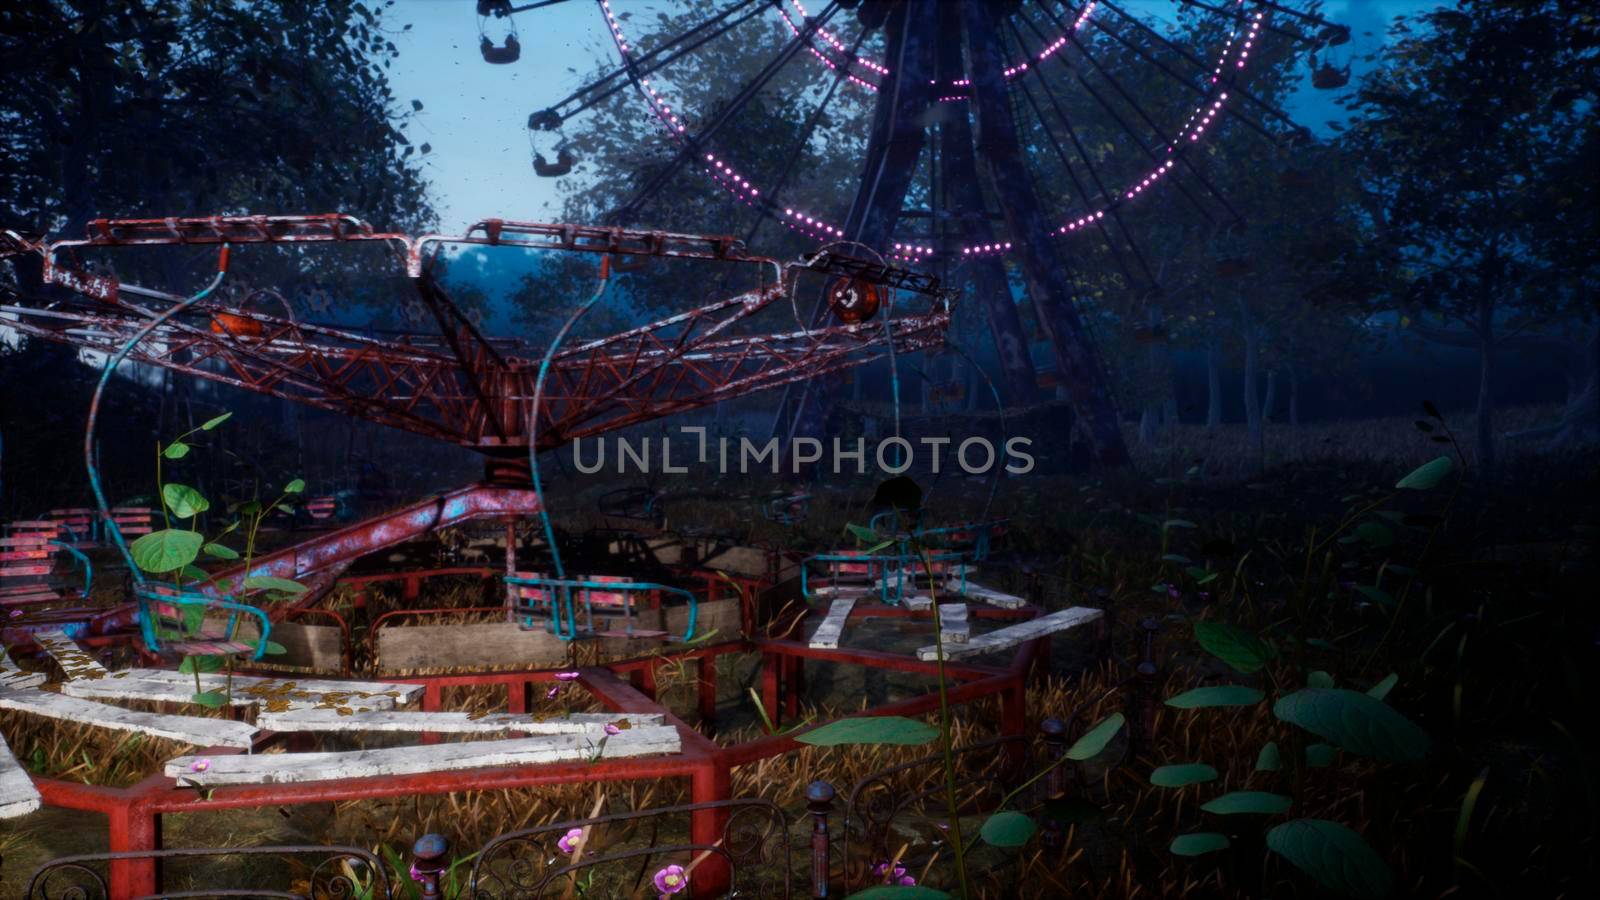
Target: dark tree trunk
{"x":1213,"y":384}
{"x":1049,"y":281}
{"x":1485,"y":411}
{"x":1252,"y":393}
{"x":1294,"y":397}
{"x":1580,"y":422}
{"x":1270,"y":405}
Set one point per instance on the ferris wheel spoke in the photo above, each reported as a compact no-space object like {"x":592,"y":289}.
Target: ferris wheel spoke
{"x":1149,"y":122}
{"x":693,"y":145}
{"x":1157,"y":36}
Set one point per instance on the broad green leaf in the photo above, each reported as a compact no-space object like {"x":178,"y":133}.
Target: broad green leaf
{"x":1427,"y":476}
{"x":1220,"y":695}
{"x":1333,"y":856}
{"x":167,"y":550}
{"x":249,"y":507}
{"x":1199,"y":843}
{"x":1355,"y":722}
{"x":295,"y":486}
{"x":193,"y":573}
{"x":1321,"y":756}
{"x":889,"y":892}
{"x":193,"y":664}
{"x":1381,"y":690}
{"x":211,"y":699}
{"x":176,"y":450}
{"x":1233,"y":645}
{"x":184,"y":501}
{"x":220,"y":551}
{"x":1270,"y":759}
{"x":1376,"y":534}
{"x":1095,"y":739}
{"x":1007,"y":829}
{"x":276,"y":649}
{"x":194,"y":616}
{"x":864,"y":535}
{"x":1177,"y":523}
{"x":1251,"y":802}
{"x":214,"y":422}
{"x":274,"y":583}
{"x":1376,"y":595}
{"x":1182,"y":775}
{"x":1319,"y":680}
{"x":870,"y":730}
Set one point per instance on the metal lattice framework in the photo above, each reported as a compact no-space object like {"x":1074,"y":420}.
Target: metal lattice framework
{"x":458,"y":385}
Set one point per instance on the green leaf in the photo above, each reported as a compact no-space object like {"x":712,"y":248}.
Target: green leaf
{"x":1381,"y":690}
{"x":1376,"y":595}
{"x":1269,"y":759}
{"x":249,"y":507}
{"x":176,"y":450}
{"x":193,"y":664}
{"x":891,"y":892}
{"x":194,"y":616}
{"x":1333,"y":856}
{"x":295,"y":486}
{"x":1355,"y":722}
{"x":1319,"y":643}
{"x":167,"y":550}
{"x":276,"y":649}
{"x":1177,"y":523}
{"x":220,"y":551}
{"x":870,"y":730}
{"x":274,"y":583}
{"x":1095,"y":739}
{"x":864,"y":535}
{"x":193,"y":573}
{"x":1007,"y":829}
{"x":1233,"y":645}
{"x":1249,"y":802}
{"x":210,"y":699}
{"x":1201,"y":842}
{"x":1376,"y":534}
{"x":1176,"y":558}
{"x":1319,"y":680}
{"x":213,"y":423}
{"x":1182,"y":775}
{"x":184,"y":501}
{"x":1427,"y":476}
{"x":1321,"y":756}
{"x":1221,"y":695}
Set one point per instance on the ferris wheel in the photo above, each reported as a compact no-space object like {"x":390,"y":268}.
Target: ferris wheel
{"x":1008,"y":81}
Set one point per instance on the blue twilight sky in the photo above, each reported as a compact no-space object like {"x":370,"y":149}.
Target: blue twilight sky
{"x":475,"y":115}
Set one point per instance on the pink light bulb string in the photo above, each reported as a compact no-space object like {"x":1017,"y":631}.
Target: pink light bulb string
{"x":799,"y":220}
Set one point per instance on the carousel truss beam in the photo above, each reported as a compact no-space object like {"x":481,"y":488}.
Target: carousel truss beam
{"x":1252,"y":124}
{"x":694,"y":145}
{"x":1183,"y":158}
{"x":1276,"y":29}
{"x":648,"y":64}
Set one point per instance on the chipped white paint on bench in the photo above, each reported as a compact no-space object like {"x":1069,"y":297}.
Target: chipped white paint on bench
{"x":953,"y":623}
{"x":286,"y":768}
{"x":987,"y":595}
{"x":74,"y":661}
{"x":18,"y":796}
{"x":12,"y":676}
{"x":277,"y":695}
{"x":843,"y":590}
{"x":189,"y":729}
{"x":1012,"y":635}
{"x":592,"y":724}
{"x":827,"y":634}
{"x":917,"y":602}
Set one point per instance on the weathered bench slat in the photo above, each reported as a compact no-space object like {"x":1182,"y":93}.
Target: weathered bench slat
{"x":988,"y":595}
{"x":285,"y":768}
{"x":828,"y":633}
{"x":188,"y":729}
{"x":12,"y":676}
{"x":954,"y":625}
{"x":1012,"y":635}
{"x":450,"y":722}
{"x":18,"y":796}
{"x":64,"y":650}
{"x":280,"y":694}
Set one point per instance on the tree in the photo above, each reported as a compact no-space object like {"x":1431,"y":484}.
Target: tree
{"x":1462,"y":128}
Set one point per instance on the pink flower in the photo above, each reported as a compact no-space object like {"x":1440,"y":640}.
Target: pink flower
{"x":882,"y":869}
{"x":15,"y":613}
{"x":671,"y":880}
{"x":907,"y":880}
{"x":551,"y":694}
{"x":566,"y":676}
{"x":612,"y":729}
{"x":200,"y":765}
{"x":415,"y":875}
{"x":569,"y":841}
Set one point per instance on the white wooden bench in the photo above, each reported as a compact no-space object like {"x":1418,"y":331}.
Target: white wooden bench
{"x":1012,"y":635}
